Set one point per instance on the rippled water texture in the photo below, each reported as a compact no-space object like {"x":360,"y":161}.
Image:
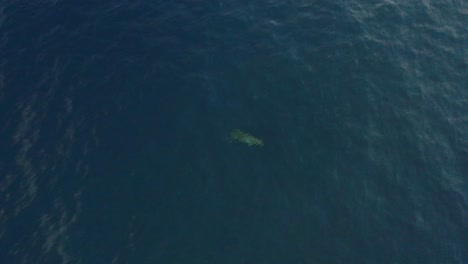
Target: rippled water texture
{"x":116,"y":121}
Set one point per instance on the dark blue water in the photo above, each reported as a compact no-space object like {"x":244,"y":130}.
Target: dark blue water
{"x":116,"y":120}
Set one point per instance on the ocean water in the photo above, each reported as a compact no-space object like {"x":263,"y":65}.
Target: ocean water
{"x":116,"y":119}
